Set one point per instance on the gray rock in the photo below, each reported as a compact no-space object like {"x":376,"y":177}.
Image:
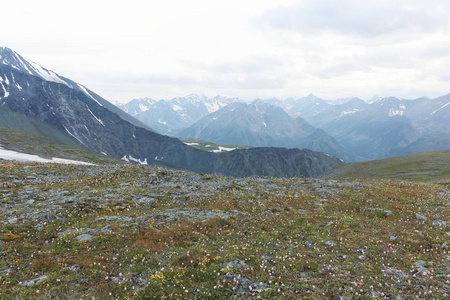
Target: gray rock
{"x":447,"y":233}
{"x":85,"y":237}
{"x":420,"y":217}
{"x":362,"y":257}
{"x":420,"y":263}
{"x":11,"y":221}
{"x":439,"y":223}
{"x":397,"y":273}
{"x":330,"y":243}
{"x":35,"y":281}
{"x":444,"y":245}
{"x":236,"y":264}
{"x":424,"y":271}
{"x":74,"y":268}
{"x":144,"y":200}
{"x":29,"y":202}
{"x":392,"y":238}
{"x":246,"y":286}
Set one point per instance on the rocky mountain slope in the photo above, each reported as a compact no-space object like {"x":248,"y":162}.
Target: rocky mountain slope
{"x":263,"y":125}
{"x":32,"y":90}
{"x":123,"y":231}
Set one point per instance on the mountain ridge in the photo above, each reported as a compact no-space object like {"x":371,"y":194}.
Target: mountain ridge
{"x":88,"y":119}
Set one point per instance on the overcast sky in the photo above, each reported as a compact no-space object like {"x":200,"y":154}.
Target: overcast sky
{"x":244,"y":48}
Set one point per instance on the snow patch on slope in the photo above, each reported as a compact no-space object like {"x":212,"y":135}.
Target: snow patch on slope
{"x":98,"y":120}
{"x":143,"y":107}
{"x":176,"y":107}
{"x":221,"y":149}
{"x":18,"y":156}
{"x":395,"y":112}
{"x":130,"y":158}
{"x":87,"y":93}
{"x":440,"y":108}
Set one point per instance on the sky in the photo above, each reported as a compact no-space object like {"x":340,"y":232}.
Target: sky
{"x":124,"y":50}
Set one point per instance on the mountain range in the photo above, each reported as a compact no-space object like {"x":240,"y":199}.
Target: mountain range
{"x":170,"y":116}
{"x":86,"y":118}
{"x":350,"y":129}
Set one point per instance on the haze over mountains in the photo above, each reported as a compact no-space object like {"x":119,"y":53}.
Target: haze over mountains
{"x":348,"y":128}
{"x":79,"y":114}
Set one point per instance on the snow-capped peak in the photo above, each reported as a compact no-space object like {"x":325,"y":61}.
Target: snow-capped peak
{"x":10,"y":58}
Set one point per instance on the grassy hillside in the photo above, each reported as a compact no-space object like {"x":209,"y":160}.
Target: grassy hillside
{"x":17,"y":121}
{"x":29,"y":143}
{"x":423,"y":167}
{"x":128,"y":232}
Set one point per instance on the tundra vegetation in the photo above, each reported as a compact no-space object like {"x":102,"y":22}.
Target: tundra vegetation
{"x":120,"y":231}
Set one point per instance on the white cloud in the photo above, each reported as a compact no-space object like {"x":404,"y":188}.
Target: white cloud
{"x":362,"y":18}
{"x":244,"y":48}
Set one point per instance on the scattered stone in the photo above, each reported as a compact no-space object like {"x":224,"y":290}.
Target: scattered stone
{"x":330,"y":243}
{"x":245,"y":286}
{"x":392,"y":238}
{"x":447,"y":233}
{"x":29,"y":202}
{"x":90,"y":231}
{"x":11,"y":221}
{"x":420,"y":263}
{"x":420,"y":217}
{"x":362,"y":257}
{"x":74,"y":268}
{"x":5,"y":271}
{"x":444,"y":245}
{"x":422,"y":270}
{"x":85,"y":237}
{"x":144,"y":200}
{"x":439,"y":223}
{"x":236,"y":264}
{"x":35,"y":281}
{"x":397,"y":273}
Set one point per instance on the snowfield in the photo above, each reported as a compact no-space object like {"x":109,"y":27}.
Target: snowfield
{"x":13,"y":155}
